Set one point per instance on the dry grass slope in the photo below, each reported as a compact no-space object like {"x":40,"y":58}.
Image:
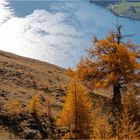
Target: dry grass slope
{"x":22,"y":78}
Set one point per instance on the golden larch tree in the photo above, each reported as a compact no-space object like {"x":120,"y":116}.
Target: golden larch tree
{"x":35,"y":109}
{"x":128,"y":126}
{"x":101,"y":128}
{"x":111,"y":63}
{"x":77,"y":111}
{"x":33,"y":106}
{"x":13,"y":109}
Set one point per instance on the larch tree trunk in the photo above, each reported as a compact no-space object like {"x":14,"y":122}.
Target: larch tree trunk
{"x":117,"y":97}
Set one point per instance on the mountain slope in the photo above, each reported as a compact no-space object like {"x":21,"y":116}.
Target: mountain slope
{"x":21,"y":79}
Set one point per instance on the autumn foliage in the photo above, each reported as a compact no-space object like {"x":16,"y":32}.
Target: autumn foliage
{"x":33,"y":106}
{"x":128,"y":125}
{"x":77,"y":111}
{"x":111,"y":63}
{"x":101,"y":128}
{"x":13,"y":109}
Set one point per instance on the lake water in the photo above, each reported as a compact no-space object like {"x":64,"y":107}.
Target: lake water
{"x":60,"y":32}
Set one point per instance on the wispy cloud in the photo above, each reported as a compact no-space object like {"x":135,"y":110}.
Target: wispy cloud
{"x":42,"y":35}
{"x":5,"y":11}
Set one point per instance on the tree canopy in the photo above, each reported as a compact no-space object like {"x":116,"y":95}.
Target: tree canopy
{"x":77,"y":111}
{"x":111,"y":62}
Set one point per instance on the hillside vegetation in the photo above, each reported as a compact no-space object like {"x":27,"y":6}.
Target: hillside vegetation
{"x":126,"y":9}
{"x":26,"y":83}
{"x":20,"y":80}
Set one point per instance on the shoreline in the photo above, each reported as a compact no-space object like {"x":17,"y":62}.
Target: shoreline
{"x":122,"y":16}
{"x":115,"y":12}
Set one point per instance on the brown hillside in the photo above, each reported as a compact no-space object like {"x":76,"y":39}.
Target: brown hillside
{"x":21,"y":79}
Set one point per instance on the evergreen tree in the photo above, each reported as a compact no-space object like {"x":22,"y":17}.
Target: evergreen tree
{"x":35,"y":110}
{"x":101,"y":128}
{"x":111,"y":63}
{"x":127,"y":125}
{"x":77,"y":111}
{"x":13,"y":109}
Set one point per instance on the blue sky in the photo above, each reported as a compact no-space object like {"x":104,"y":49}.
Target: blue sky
{"x":24,"y":7}
{"x":56,"y":32}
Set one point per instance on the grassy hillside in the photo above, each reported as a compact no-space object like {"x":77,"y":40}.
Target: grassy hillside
{"x":126,"y":9}
{"x":20,"y":80}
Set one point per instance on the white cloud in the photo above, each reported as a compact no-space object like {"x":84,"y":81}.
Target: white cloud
{"x":5,"y":12}
{"x":59,"y":34}
{"x":41,"y":35}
